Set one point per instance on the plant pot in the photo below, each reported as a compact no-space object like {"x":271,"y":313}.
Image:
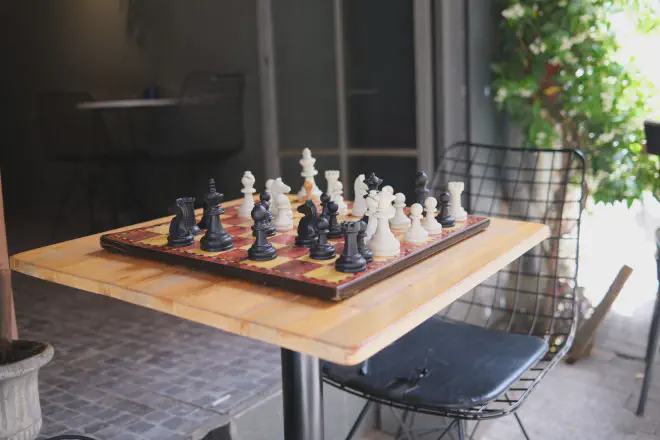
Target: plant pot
{"x":20,"y":411}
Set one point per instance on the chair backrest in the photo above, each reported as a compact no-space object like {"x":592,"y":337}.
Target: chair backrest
{"x":652,"y":132}
{"x":535,"y":294}
{"x":211,"y":113}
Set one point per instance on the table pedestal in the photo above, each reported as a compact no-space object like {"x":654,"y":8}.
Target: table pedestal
{"x":302,"y":396}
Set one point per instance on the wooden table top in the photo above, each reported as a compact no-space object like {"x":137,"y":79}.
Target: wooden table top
{"x":346,"y":332}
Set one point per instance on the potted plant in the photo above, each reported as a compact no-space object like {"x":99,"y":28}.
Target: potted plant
{"x":20,"y":361}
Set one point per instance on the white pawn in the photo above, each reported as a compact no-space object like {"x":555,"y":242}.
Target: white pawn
{"x":400,"y":221}
{"x":338,"y":197}
{"x":383,"y":243}
{"x":284,"y":219}
{"x":372,"y":207}
{"x":416,"y":233}
{"x":455,"y":208}
{"x":359,"y":203}
{"x":430,"y":223}
{"x":388,"y":189}
{"x":245,"y":210}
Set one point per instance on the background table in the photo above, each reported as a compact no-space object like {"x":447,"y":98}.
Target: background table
{"x":307,"y":329}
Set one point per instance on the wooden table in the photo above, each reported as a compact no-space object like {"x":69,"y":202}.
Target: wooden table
{"x":307,"y":329}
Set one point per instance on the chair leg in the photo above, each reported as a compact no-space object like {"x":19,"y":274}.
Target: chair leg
{"x":522,"y":428}
{"x":474,"y":431}
{"x":461,"y":430}
{"x":447,"y":429}
{"x":651,"y":352}
{"x":359,"y":419}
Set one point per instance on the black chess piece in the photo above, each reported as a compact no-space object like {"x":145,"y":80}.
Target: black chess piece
{"x":204,"y":222}
{"x":321,"y":249}
{"x":216,"y":238}
{"x":264,"y":199}
{"x":350,"y":260}
{"x":307,"y":226}
{"x":325,"y":199}
{"x":362,"y":243}
{"x":261,"y":250}
{"x":192,"y":224}
{"x":444,"y":217}
{"x":373,"y":182}
{"x":334,"y":227}
{"x":180,"y":235}
{"x":421,"y":190}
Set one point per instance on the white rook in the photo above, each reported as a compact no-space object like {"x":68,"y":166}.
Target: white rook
{"x":455,"y":207}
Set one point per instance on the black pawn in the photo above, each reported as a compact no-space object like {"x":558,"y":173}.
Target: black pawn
{"x":204,"y":222}
{"x":322,"y":250}
{"x":191,"y":223}
{"x":307,"y":226}
{"x":362,"y":243}
{"x":325,"y":199}
{"x":264,"y":199}
{"x":373,"y":182}
{"x":334,"y":227}
{"x":444,"y":217}
{"x":180,"y":235}
{"x":421,"y":190}
{"x":351,"y":261}
{"x":261,"y":250}
{"x":216,"y":238}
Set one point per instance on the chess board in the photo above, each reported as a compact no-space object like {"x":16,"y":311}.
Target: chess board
{"x":293,"y":269}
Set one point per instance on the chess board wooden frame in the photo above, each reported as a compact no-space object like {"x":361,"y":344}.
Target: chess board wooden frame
{"x":147,"y":242}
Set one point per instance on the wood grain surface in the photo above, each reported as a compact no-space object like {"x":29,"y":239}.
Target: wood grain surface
{"x":346,"y":332}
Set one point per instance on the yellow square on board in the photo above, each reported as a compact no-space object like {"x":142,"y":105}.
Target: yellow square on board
{"x":267,"y":264}
{"x":328,"y":273}
{"x":161,"y":240}
{"x":162,"y":229}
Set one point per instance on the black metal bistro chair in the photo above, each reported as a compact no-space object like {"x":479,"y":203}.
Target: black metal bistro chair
{"x":482,"y":356}
{"x":652,"y":130}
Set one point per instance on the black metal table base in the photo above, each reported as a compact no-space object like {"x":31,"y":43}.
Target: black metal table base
{"x":302,"y":396}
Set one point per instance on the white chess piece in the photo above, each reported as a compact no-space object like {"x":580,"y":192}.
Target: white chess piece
{"x":271,"y":188}
{"x":359,"y":203}
{"x":308,"y":172}
{"x":284,"y":219}
{"x":248,"y":180}
{"x":278,"y":187}
{"x":416,"y":233}
{"x":430,"y":223}
{"x":332,"y":177}
{"x":372,"y":206}
{"x":338,"y":198}
{"x":388,"y":189}
{"x":455,"y":207}
{"x":383,"y":243}
{"x":399,"y":221}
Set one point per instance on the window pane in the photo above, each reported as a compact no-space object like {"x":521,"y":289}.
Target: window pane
{"x":380,"y":73}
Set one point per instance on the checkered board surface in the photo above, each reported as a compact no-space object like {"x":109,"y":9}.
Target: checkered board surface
{"x":293,"y":269}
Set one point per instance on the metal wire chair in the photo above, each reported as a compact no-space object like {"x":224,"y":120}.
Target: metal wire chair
{"x":536,"y":294}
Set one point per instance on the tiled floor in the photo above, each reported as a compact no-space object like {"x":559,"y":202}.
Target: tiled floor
{"x":122,"y":372}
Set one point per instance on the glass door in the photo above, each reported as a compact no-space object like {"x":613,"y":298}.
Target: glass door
{"x":352,"y":80}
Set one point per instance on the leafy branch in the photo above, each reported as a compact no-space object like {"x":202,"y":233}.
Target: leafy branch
{"x":561,"y":79}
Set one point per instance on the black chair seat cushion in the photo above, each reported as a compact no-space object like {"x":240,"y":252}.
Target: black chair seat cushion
{"x":442,"y":365}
